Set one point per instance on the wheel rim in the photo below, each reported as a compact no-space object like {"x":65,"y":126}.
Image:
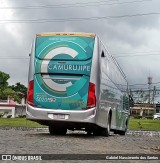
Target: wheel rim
{"x":109,"y":125}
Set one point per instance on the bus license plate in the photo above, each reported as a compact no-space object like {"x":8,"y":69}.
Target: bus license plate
{"x":58,"y":116}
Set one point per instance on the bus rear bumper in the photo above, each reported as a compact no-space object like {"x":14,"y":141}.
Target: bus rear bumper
{"x":49,"y":115}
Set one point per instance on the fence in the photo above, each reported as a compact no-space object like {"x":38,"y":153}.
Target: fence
{"x":12,"y":111}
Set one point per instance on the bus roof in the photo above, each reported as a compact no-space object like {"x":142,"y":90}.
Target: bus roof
{"x":66,"y":34}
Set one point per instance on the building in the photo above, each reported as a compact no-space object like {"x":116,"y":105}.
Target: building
{"x":143,"y":110}
{"x":158,"y":108}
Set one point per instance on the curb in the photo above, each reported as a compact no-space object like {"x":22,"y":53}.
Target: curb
{"x":143,"y":133}
{"x":45,"y":129}
{"x":24,"y":128}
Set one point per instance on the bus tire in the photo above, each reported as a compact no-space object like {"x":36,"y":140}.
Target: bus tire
{"x":115,"y":132}
{"x":121,"y":132}
{"x":97,"y":132}
{"x":106,"y":131}
{"x":57,"y":131}
{"x":89,"y":132}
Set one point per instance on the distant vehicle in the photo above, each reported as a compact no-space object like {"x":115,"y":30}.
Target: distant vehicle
{"x":156,"y":116}
{"x":75,"y":84}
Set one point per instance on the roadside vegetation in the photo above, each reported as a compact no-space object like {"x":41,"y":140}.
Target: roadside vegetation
{"x":134,"y":124}
{"x":16,"y":92}
{"x":144,"y":124}
{"x":18,"y":122}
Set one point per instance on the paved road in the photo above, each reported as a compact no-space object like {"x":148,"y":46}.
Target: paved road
{"x":34,"y":142}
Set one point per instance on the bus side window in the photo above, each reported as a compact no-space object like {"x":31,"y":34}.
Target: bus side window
{"x":125,"y":102}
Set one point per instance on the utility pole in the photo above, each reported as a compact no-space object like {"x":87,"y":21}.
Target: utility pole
{"x":149,"y":87}
{"x":154,"y":93}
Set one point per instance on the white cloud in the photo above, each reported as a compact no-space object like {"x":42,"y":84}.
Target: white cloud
{"x":123,"y":35}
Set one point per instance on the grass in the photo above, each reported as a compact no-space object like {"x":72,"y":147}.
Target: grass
{"x":134,"y":124}
{"x":18,"y":122}
{"x":144,"y":124}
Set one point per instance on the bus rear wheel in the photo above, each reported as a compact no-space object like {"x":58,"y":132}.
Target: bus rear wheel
{"x":124,"y":132}
{"x":57,"y":130}
{"x":104,"y":131}
{"x":120,"y":132}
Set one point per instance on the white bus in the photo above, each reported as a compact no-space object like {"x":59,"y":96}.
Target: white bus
{"x":75,"y":84}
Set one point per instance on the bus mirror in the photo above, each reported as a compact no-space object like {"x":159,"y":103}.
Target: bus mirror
{"x":102,"y":54}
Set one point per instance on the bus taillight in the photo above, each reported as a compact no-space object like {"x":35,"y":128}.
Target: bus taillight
{"x":30,"y":92}
{"x":91,"y":96}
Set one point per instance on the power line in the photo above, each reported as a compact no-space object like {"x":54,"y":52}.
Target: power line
{"x":156,"y":83}
{"x":82,"y":4}
{"x":119,"y":56}
{"x":13,"y":58}
{"x":114,"y":53}
{"x":55,"y":6}
{"x":116,"y":56}
{"x":137,"y":84}
{"x":144,"y":84}
{"x":75,"y":19}
{"x":141,"y":90}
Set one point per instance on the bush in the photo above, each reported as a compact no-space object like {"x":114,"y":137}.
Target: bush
{"x":137,"y":117}
{"x":9,"y":116}
{"x":149,"y":117}
{"x":144,"y":117}
{"x":21,"y":116}
{"x":1,"y":115}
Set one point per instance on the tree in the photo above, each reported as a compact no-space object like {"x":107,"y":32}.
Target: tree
{"x":5,"y":91}
{"x":20,"y":89}
{"x":3,"y":79}
{"x":9,"y":91}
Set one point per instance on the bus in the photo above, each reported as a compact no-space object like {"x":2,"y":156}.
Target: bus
{"x":74,"y":83}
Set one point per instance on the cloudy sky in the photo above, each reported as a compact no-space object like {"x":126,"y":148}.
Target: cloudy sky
{"x":129,"y":28}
